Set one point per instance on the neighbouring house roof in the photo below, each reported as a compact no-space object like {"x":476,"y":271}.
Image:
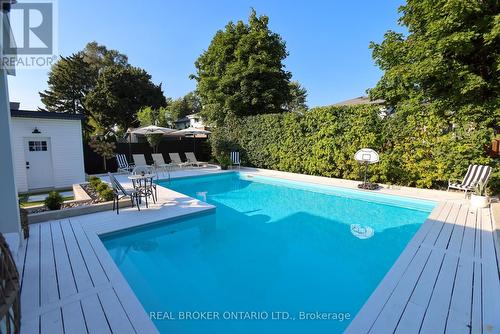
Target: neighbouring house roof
{"x":45,"y":114}
{"x":359,"y":100}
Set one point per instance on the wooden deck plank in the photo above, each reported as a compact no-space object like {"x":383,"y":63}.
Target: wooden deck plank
{"x":444,"y":236}
{"x":67,"y":284}
{"x":49,"y":290}
{"x":431,"y":237}
{"x":94,"y":266}
{"x":94,"y":315}
{"x":459,"y":317}
{"x":437,"y":311}
{"x":412,"y":317}
{"x":477,"y":300}
{"x":78,"y":265}
{"x":30,"y":290}
{"x":469,"y":240}
{"x":457,"y":235}
{"x":117,"y":318}
{"x":490,"y":278}
{"x":73,"y":319}
{"x":393,"y":309}
{"x":51,"y":322}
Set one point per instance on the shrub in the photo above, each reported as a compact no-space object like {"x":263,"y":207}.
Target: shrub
{"x":101,"y":187}
{"x":94,"y":181}
{"x":417,"y":147}
{"x":54,"y":201}
{"x":107,"y":194}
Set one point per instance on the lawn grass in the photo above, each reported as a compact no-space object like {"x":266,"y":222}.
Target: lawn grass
{"x":25,"y":204}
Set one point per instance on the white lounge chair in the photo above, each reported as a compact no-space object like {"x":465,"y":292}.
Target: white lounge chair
{"x":475,"y":174}
{"x":235,"y":159}
{"x":123,"y":165}
{"x":159,"y":162}
{"x":176,"y":160}
{"x":192,"y":159}
{"x":139,"y":159}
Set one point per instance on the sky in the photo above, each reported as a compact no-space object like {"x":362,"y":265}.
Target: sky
{"x":327,"y":40}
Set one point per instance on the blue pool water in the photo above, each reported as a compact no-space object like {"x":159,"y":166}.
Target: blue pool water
{"x":273,"y":247}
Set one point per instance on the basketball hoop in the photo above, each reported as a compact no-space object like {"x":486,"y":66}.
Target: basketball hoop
{"x":366,"y":156}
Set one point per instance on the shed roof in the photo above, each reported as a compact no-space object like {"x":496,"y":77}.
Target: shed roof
{"x":45,"y":114}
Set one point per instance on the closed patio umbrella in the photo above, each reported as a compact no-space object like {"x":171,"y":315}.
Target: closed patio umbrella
{"x":191,"y":132}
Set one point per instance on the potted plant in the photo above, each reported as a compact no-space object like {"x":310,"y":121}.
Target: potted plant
{"x":224,"y":161}
{"x":479,"y":199}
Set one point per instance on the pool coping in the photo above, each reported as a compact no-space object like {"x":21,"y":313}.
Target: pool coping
{"x":178,"y":205}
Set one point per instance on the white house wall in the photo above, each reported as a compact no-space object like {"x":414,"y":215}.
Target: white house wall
{"x":66,"y":149}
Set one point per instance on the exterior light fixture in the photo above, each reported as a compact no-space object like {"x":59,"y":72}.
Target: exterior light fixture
{"x":36,"y":131}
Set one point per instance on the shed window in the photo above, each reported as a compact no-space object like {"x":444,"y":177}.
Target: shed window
{"x":39,"y":145}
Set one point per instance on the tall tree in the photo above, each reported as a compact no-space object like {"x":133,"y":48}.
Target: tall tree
{"x":70,"y":79}
{"x":242,"y":71}
{"x":186,"y":105}
{"x":119,"y":93}
{"x":449,"y":60}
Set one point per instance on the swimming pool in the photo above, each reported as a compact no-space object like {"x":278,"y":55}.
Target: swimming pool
{"x":275,"y":256}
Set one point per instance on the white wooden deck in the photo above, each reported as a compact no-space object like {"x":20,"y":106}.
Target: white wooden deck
{"x":445,"y":281}
{"x":70,"y":284}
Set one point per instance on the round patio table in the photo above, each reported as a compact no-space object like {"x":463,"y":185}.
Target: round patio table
{"x":144,"y":185}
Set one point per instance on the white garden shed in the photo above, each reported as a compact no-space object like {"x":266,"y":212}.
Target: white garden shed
{"x":47,"y":150}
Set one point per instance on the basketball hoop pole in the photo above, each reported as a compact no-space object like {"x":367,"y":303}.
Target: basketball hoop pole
{"x":366,"y":170}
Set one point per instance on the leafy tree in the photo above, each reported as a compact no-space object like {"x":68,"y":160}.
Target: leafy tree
{"x":242,"y":71}
{"x":449,"y":59}
{"x":70,"y":79}
{"x":186,"y":105}
{"x":298,"y":98}
{"x":119,"y":93}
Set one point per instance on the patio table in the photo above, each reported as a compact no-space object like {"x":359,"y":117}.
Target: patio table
{"x":144,"y":185}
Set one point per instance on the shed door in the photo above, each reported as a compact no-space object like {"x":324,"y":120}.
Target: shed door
{"x":38,"y":163}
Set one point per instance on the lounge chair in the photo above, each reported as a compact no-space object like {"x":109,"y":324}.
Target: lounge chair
{"x":176,"y":160}
{"x":123,"y":165}
{"x":192,"y":159}
{"x":139,"y":160}
{"x":121,"y":192}
{"x":235,"y":158}
{"x":159,"y":161}
{"x":475,"y":174}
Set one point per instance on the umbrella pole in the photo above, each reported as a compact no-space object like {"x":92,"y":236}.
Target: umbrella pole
{"x":194,"y":143}
{"x":129,"y":147}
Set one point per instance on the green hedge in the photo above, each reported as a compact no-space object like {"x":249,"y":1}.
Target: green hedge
{"x":416,"y":148}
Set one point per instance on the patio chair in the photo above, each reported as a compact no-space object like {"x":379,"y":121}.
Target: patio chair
{"x":176,"y":160}
{"x":235,"y":158}
{"x":192,"y":159}
{"x":123,"y":165}
{"x":475,"y":174}
{"x":139,"y":160}
{"x":121,"y":192}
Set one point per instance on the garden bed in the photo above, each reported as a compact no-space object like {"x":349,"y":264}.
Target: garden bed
{"x":86,"y":201}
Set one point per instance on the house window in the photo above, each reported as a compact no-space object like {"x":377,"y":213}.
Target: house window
{"x":37,"y":145}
